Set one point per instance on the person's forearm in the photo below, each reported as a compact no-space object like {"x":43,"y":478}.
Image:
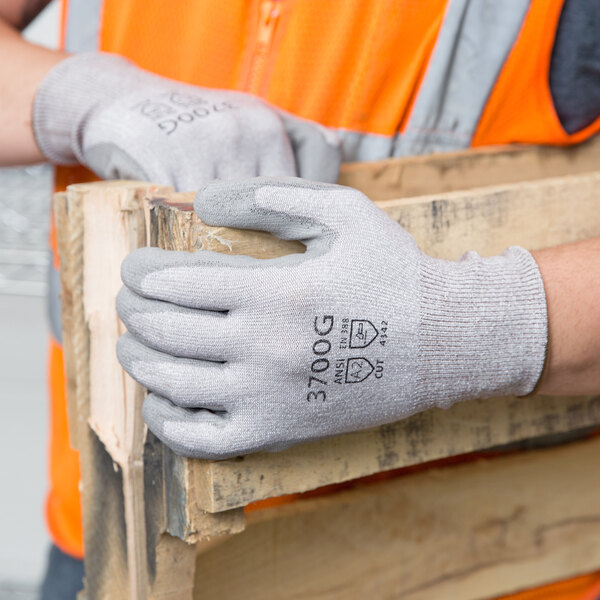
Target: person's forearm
{"x":22,"y":68}
{"x":571,"y":275}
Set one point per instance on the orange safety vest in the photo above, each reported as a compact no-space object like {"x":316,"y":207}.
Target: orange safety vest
{"x":392,"y":77}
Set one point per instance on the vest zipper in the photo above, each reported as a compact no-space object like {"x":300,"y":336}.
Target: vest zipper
{"x":270,"y":11}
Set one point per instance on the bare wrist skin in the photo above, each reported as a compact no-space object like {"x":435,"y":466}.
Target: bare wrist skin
{"x":571,"y":275}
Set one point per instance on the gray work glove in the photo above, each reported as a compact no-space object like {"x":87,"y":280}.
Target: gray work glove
{"x":125,"y":123}
{"x":242,"y":354}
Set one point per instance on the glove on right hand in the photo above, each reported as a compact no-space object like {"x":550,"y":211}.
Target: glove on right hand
{"x":243,"y":354}
{"x":125,"y":123}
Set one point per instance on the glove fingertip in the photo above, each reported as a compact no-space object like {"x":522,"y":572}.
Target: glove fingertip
{"x":142,"y":262}
{"x":126,"y":352}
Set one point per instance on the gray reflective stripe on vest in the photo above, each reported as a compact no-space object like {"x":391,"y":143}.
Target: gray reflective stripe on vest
{"x":83,"y":25}
{"x":54,"y":301}
{"x":474,"y":41}
{"x":472,"y":46}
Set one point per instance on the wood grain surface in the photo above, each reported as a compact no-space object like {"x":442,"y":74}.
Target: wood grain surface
{"x":468,"y":532}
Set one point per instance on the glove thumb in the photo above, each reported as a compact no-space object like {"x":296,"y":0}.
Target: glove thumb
{"x":289,"y":207}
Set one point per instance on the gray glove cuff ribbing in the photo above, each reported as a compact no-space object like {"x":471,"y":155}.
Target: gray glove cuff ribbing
{"x":70,"y":93}
{"x":483,"y":329}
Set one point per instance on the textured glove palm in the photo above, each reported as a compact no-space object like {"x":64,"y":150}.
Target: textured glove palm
{"x":242,"y":354}
{"x":125,"y":123}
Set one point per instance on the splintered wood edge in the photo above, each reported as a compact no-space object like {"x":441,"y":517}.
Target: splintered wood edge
{"x":113,"y":220}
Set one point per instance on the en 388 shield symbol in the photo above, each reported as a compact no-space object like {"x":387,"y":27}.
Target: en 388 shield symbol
{"x":358,"y":369}
{"x":362,"y":333}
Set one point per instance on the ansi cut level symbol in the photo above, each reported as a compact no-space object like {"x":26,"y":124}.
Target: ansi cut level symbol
{"x":358,"y":369}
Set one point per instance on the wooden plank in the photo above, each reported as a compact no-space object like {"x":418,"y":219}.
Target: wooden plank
{"x":475,"y":167}
{"x":175,"y":570}
{"x":435,"y":434}
{"x":101,"y":484}
{"x":104,"y":528}
{"x":113,"y":225}
{"x":533,"y":214}
{"x":113,"y":502}
{"x":107,"y":220}
{"x":473,"y":531}
{"x":184,"y":517}
{"x":170,"y":560}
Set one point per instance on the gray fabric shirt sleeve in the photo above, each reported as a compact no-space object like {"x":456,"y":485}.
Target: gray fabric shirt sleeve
{"x":575,"y":65}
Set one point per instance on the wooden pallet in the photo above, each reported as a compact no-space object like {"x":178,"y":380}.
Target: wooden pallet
{"x":164,"y":527}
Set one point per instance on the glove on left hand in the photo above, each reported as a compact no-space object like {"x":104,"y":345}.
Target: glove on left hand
{"x":125,"y":123}
{"x":243,"y":354}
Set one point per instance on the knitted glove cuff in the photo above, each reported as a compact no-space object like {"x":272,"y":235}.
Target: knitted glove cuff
{"x":483,"y":327}
{"x":70,"y":92}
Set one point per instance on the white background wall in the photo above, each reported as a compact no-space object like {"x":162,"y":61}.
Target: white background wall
{"x":45,"y":29}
